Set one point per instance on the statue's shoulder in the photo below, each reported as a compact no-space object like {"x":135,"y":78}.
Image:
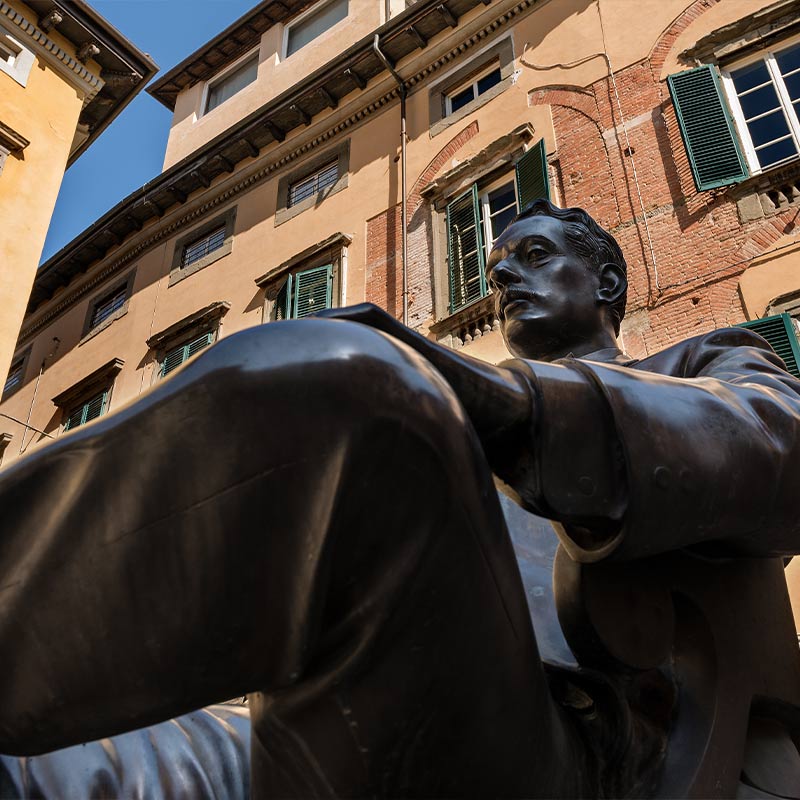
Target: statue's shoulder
{"x":728,"y":348}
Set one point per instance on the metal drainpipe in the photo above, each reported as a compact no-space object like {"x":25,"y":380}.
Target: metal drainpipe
{"x":403,"y":207}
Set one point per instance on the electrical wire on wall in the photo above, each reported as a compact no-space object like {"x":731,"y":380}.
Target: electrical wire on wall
{"x":628,"y":149}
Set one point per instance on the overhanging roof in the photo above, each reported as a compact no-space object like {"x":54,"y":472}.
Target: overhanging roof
{"x":125,"y":68}
{"x":223,"y":49}
{"x":354,"y":68}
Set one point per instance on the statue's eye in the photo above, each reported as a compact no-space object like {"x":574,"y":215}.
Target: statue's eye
{"x":536,"y":254}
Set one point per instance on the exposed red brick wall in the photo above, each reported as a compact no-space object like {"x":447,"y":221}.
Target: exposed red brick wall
{"x":701,"y":247}
{"x":385,"y":245}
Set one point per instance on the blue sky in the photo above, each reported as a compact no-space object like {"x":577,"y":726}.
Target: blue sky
{"x":131,"y":150}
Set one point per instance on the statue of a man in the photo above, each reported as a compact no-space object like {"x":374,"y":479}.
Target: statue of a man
{"x":307,"y":513}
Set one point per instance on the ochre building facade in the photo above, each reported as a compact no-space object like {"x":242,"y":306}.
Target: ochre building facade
{"x":674,"y":122}
{"x":65,"y":73}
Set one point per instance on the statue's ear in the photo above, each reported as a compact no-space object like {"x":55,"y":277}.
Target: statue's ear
{"x":613,"y":283}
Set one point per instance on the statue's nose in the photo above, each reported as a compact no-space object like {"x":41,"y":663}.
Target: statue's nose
{"x":502,"y":274}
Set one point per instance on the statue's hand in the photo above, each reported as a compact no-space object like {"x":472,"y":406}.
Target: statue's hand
{"x":367,"y":314}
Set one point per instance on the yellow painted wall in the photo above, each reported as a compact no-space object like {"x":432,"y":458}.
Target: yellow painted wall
{"x":191,"y":128}
{"x":45,"y":112}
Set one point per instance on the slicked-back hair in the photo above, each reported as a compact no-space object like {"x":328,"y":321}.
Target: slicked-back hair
{"x":593,"y":244}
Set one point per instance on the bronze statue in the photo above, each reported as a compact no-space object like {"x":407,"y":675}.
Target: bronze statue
{"x":307,"y":513}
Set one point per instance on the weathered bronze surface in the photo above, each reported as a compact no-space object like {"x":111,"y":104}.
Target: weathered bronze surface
{"x":307,"y":513}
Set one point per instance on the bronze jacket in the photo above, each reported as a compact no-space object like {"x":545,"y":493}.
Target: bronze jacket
{"x":696,"y":445}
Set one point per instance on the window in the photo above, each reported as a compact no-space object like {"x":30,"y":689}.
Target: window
{"x":231,"y":83}
{"x":177,"y":343}
{"x":107,"y":307}
{"x":201,"y":247}
{"x":308,"y":282}
{"x":15,"y":59}
{"x":471,"y":86}
{"x":481,"y":83}
{"x":89,"y":398}
{"x":305,"y":292}
{"x":765,"y":96}
{"x":742,"y":119}
{"x":310,"y":26}
{"x":15,"y":377}
{"x":319,"y":180}
{"x":182,"y":353}
{"x":780,"y":331}
{"x":86,"y":412}
{"x":478,"y":216}
{"x":10,"y":49}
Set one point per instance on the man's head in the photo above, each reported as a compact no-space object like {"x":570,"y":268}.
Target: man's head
{"x":560,"y":282}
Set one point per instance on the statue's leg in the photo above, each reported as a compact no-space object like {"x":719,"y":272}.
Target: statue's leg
{"x":303,"y":510}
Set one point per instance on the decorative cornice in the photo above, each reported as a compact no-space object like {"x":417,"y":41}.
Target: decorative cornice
{"x":256,"y":173}
{"x":204,"y":315}
{"x":95,"y":379}
{"x":12,"y":141}
{"x":337,"y":240}
{"x":68,"y":66}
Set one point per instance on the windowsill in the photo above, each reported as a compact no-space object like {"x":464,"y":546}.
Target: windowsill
{"x":467,"y":324}
{"x":285,"y":214}
{"x":474,"y":105}
{"x":768,"y":193}
{"x":181,"y":273}
{"x":107,"y":322}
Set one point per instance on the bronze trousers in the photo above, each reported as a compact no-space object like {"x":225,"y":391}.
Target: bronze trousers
{"x":303,"y":513}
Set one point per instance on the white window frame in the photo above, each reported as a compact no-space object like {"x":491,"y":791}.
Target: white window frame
{"x":471,"y":83}
{"x":768,"y":57}
{"x":317,"y":7}
{"x":21,"y":62}
{"x":483,"y":199}
{"x":219,"y":77}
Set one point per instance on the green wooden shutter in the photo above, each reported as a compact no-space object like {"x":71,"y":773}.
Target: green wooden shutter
{"x":283,"y":302}
{"x":707,"y":128}
{"x":92,"y":409}
{"x":465,"y":254}
{"x":779,"y":331}
{"x":533,"y":181}
{"x":175,"y":357}
{"x":312,"y":290}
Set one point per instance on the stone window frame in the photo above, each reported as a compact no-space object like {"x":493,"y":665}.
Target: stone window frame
{"x":24,"y":58}
{"x":22,"y":358}
{"x":315,"y":8}
{"x":184,"y":330}
{"x":221,"y":76}
{"x":177,"y":272}
{"x":100,"y":380}
{"x":732,"y":98}
{"x":10,"y":142}
{"x":284,"y":212}
{"x":491,"y":164}
{"x":88,"y":331}
{"x":502,"y":52}
{"x":332,"y":250}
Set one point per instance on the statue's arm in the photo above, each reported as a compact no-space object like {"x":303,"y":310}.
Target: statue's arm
{"x":498,"y":401}
{"x":710,"y":450}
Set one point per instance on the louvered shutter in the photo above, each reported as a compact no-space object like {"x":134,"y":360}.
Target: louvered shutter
{"x":283,"y":302}
{"x":95,"y":407}
{"x":532,"y":178}
{"x":465,"y":254}
{"x":175,"y":357}
{"x":198,"y":344}
{"x":707,"y":128}
{"x":312,"y":290}
{"x":780,"y":333}
{"x":90,"y":410}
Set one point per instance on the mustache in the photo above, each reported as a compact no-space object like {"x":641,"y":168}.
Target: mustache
{"x":513,"y":293}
